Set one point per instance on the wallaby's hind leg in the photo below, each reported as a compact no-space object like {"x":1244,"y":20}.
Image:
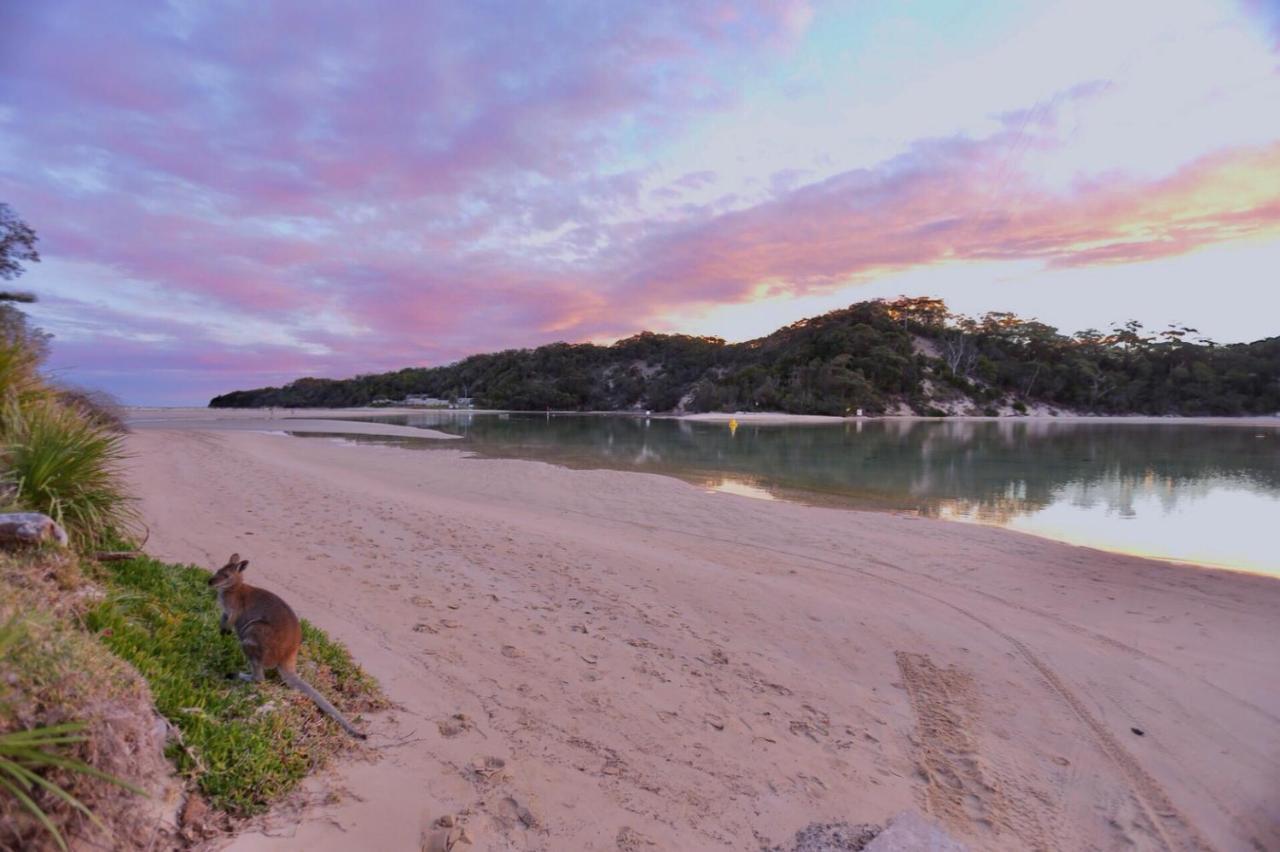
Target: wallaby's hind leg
{"x":255,"y":672}
{"x":253,"y":676}
{"x":251,"y":644}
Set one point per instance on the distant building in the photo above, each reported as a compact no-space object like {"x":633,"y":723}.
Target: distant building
{"x":418,"y":401}
{"x":463,"y":402}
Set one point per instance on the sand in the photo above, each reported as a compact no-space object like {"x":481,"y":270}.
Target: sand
{"x":610,"y":660}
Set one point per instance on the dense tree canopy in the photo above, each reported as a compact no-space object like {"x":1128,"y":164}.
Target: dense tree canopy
{"x":877,"y":356}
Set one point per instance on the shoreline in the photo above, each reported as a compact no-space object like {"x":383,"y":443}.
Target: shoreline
{"x":711,"y":671}
{"x":1137,"y":419}
{"x":287,"y":425}
{"x":162,"y":414}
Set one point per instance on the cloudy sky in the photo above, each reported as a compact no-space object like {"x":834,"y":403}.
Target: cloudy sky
{"x":236,"y":194}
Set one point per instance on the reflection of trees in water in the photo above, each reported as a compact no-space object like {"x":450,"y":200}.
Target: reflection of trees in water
{"x":1118,"y":495}
{"x":993,"y":470}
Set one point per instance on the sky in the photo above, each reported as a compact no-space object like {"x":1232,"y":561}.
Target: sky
{"x":237,"y":194}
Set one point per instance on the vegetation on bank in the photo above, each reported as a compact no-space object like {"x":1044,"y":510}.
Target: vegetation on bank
{"x":76,"y":720}
{"x":911,"y":355}
{"x":90,"y":652}
{"x":242,"y":745}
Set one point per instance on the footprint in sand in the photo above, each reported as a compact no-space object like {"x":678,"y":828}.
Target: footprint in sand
{"x":447,"y":835}
{"x":458,"y":723}
{"x":487,"y":770}
{"x":630,"y":840}
{"x":511,"y":813}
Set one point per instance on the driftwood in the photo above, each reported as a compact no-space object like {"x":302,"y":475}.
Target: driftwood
{"x":30,"y":528}
{"x":117,"y":555}
{"x":124,"y":555}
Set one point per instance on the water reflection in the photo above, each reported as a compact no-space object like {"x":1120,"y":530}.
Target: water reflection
{"x":1194,"y":492}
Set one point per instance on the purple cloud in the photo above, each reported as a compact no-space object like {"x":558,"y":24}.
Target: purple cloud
{"x":262,"y":191}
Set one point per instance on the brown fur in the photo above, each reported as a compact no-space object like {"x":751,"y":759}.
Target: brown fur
{"x":269,"y":632}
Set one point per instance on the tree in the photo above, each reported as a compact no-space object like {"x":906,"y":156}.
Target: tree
{"x":925,"y":312}
{"x":17,"y":246}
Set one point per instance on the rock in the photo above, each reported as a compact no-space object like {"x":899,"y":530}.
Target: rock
{"x":30,"y":528}
{"x":910,"y":832}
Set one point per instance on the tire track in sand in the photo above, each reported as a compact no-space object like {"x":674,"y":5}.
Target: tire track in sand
{"x":1172,"y":830}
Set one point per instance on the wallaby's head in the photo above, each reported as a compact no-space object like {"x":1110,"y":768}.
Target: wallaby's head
{"x":229,"y":575}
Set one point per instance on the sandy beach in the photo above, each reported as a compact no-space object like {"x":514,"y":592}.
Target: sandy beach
{"x":609,"y":660}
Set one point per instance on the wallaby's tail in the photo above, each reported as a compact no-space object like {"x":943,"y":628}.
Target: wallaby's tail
{"x":292,"y":678}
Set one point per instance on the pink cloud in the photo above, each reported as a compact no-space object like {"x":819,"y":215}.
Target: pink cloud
{"x":936,"y":204}
{"x":436,"y":179}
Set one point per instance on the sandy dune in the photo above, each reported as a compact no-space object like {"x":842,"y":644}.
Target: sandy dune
{"x":606,"y":660}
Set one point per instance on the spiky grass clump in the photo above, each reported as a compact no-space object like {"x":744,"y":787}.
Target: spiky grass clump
{"x":62,"y":464}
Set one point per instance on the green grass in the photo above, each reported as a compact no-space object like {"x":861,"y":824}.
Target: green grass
{"x":62,"y":464}
{"x":243,"y":745}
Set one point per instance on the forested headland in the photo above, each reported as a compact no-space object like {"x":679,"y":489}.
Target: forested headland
{"x":906,"y":356}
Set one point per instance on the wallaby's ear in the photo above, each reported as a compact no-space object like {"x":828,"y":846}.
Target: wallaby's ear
{"x":243,"y":565}
{"x":234,"y":558}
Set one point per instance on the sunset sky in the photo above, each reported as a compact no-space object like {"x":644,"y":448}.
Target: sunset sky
{"x":236,"y":194}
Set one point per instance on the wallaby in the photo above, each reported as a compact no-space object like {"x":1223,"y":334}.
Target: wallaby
{"x":269,"y":632}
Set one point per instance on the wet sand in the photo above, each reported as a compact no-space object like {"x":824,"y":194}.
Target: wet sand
{"x":611,"y":660}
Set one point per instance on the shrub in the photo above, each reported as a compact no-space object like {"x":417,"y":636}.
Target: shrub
{"x":20,"y":380}
{"x":98,"y":407}
{"x":67,"y":467}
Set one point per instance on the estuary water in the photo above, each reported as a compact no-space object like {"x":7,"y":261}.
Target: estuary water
{"x":1191,"y":492}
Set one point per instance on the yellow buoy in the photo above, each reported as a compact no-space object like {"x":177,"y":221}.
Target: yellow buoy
{"x":733,"y":425}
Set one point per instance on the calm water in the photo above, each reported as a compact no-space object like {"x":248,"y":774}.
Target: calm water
{"x":1199,"y":493}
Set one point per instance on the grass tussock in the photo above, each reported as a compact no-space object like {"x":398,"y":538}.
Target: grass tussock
{"x":67,"y":466}
{"x":242,"y":745}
